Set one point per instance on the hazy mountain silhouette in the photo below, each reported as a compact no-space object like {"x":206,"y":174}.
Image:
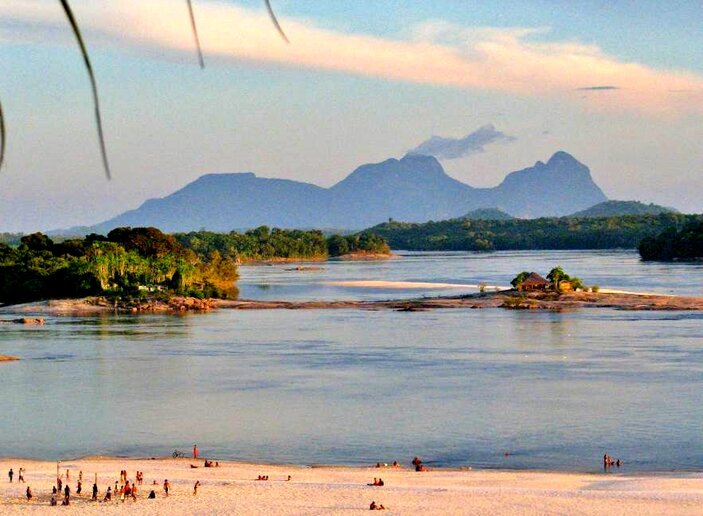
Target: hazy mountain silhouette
{"x":414,"y":189}
{"x":617,"y":208}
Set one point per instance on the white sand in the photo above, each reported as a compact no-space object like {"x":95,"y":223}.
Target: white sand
{"x":231,"y":489}
{"x":410,"y":285}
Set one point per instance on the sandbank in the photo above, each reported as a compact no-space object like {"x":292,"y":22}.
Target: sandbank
{"x":232,"y":489}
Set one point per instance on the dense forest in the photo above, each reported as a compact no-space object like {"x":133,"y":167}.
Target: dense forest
{"x":126,"y":262}
{"x":675,"y":244}
{"x":462,"y":234}
{"x":143,"y":262}
{"x":263,"y":244}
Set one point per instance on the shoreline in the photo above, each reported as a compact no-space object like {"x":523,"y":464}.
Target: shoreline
{"x":506,"y":299}
{"x":233,"y":488}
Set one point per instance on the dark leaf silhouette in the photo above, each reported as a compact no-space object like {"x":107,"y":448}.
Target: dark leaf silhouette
{"x":275,"y":21}
{"x":2,"y":136}
{"x":93,"y":84}
{"x":193,"y":26}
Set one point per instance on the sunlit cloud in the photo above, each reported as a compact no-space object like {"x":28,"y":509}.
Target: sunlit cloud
{"x":513,"y":60}
{"x":454,"y":148}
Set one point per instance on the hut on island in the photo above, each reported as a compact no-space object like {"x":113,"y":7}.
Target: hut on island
{"x":534,"y":282}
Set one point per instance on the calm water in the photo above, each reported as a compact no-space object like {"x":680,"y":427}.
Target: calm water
{"x":457,"y":387}
{"x":613,"y":269}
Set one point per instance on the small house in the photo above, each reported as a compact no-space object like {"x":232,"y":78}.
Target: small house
{"x":566,"y":286}
{"x":534,"y":282}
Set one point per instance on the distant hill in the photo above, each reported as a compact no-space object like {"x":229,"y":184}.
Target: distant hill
{"x":414,"y":188}
{"x":488,"y":214}
{"x":615,"y":208}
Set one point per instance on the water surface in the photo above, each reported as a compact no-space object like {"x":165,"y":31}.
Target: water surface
{"x":457,"y":387}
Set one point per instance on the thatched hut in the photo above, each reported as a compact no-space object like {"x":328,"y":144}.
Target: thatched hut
{"x":534,"y":282}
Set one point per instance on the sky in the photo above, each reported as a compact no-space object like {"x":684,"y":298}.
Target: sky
{"x":617,"y":84}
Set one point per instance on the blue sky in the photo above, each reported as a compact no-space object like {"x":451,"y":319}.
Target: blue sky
{"x":360,"y":82}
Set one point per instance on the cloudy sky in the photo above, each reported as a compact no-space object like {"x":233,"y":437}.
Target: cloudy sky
{"x":617,"y":84}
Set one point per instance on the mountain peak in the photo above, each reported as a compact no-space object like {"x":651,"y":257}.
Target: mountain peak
{"x":562,"y":157}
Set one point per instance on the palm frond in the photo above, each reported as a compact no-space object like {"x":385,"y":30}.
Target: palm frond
{"x":2,"y":136}
{"x":275,"y":21}
{"x":93,"y":84}
{"x":194,"y":27}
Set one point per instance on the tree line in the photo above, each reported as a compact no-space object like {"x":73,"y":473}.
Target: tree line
{"x":130,"y":262}
{"x":675,"y":244}
{"x":462,"y":234}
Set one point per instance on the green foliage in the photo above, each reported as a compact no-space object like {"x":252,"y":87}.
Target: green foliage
{"x":615,"y":208}
{"x":675,"y":244}
{"x":557,"y":275}
{"x":365,"y":242}
{"x":263,"y":244}
{"x":545,"y":233}
{"x":127,"y":262}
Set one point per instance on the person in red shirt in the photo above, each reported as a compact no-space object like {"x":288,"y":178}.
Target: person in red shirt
{"x":195,"y":451}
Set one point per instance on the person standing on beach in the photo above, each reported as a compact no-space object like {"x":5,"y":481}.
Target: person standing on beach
{"x":29,"y":494}
{"x":195,"y":487}
{"x":166,"y":486}
{"x":95,"y":492}
{"x":10,"y":474}
{"x":195,"y":451}
{"x":20,"y":476}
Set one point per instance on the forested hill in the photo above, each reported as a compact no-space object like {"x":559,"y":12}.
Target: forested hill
{"x":615,"y":208}
{"x":545,"y":233}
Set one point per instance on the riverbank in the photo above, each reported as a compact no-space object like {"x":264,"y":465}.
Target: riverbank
{"x":507,"y":299}
{"x":233,"y":488}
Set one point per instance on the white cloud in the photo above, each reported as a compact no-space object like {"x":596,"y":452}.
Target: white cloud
{"x":435,"y":52}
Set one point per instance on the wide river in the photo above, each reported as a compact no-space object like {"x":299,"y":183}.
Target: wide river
{"x":457,"y":387}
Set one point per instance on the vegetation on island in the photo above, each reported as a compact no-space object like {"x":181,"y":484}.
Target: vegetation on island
{"x":145,"y":262}
{"x":675,"y":244}
{"x":462,"y":234}
{"x":127,"y":262}
{"x":265,"y":244}
{"x":557,"y":278}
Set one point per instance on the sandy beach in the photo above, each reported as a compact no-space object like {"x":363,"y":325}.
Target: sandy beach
{"x":233,"y":488}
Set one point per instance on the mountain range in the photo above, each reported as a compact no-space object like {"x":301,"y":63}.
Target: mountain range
{"x":414,"y":188}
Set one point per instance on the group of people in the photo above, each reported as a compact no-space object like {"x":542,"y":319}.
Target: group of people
{"x":378,"y":482}
{"x":385,"y":465}
{"x":419,"y":466}
{"x":608,"y":462}
{"x":263,"y":477}
{"x":20,"y":475}
{"x":210,"y":464}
